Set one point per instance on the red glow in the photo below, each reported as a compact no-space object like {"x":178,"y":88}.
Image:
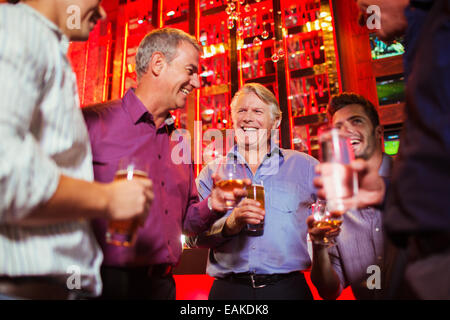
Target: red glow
{"x":197,"y":287}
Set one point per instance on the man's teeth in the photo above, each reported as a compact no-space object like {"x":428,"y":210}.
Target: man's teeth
{"x":185,"y":91}
{"x":249,"y":129}
{"x":353,"y":142}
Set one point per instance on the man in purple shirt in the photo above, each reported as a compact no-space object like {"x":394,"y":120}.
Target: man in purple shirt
{"x":140,"y":124}
{"x":358,"y":253}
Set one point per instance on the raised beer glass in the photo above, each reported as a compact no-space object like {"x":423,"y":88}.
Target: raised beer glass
{"x":123,"y":232}
{"x":231,"y":174}
{"x":340,"y":182}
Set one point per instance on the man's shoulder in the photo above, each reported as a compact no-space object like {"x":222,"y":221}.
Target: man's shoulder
{"x":105,"y":110}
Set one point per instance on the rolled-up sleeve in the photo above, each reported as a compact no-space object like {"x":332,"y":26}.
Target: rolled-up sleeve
{"x":28,"y":177}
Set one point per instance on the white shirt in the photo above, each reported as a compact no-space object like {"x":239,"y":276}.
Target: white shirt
{"x":42,"y":135}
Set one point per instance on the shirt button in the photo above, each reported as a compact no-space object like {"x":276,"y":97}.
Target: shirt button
{"x":377,"y":229}
{"x":253,"y":248}
{"x":380,"y":258}
{"x":166,"y":212}
{"x":162,"y":183}
{"x":159,"y":156}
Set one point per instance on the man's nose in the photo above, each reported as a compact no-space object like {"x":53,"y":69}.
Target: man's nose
{"x":195,"y":81}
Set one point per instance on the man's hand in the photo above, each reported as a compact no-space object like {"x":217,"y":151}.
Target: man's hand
{"x":128,"y":199}
{"x":247,"y":212}
{"x":371,"y":187}
{"x":220,"y":198}
{"x":317,"y":234}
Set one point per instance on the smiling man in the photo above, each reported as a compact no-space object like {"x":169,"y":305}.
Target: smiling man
{"x":267,"y":266}
{"x":140,"y":125}
{"x":46,"y":198}
{"x":360,"y":242}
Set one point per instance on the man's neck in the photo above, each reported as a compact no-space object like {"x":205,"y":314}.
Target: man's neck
{"x":254,"y":156}
{"x":156,"y":109}
{"x":374,"y":162}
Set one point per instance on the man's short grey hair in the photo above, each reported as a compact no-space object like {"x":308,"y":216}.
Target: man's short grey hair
{"x":166,"y":41}
{"x":262,"y":93}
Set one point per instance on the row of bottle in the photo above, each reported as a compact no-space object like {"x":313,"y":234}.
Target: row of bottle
{"x":256,"y":60}
{"x":309,"y":95}
{"x":305,"y":11}
{"x":213,"y":34}
{"x":305,"y":50}
{"x":214,"y":71}
{"x":216,"y":112}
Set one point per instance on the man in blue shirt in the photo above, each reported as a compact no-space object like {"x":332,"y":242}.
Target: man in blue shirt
{"x":359,"y":246}
{"x":266,"y":266}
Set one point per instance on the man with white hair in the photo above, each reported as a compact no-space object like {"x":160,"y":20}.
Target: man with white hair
{"x":267,"y":266}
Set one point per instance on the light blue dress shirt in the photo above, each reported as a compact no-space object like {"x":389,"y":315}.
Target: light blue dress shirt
{"x":287,"y":176}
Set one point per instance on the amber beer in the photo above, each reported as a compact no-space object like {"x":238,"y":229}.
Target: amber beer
{"x":123,"y":232}
{"x":256,"y":192}
{"x":325,"y":224}
{"x":229,"y":186}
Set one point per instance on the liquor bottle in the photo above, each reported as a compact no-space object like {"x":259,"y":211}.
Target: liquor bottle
{"x":313,"y":100}
{"x":219,"y":117}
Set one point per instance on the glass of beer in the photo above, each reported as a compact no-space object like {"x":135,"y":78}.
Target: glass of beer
{"x":123,"y":232}
{"x":340,"y":182}
{"x":256,"y":192}
{"x":325,"y":221}
{"x":231,"y":175}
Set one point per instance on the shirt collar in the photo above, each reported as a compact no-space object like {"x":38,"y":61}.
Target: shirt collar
{"x":274,"y":150}
{"x":139,"y":113}
{"x":62,"y":38}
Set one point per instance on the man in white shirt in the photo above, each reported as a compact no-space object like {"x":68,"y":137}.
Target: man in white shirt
{"x":46,"y":198}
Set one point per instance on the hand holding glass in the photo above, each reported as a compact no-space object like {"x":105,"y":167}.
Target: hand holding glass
{"x":231,"y":175}
{"x":123,"y":232}
{"x":256,"y":192}
{"x":340,"y":182}
{"x":325,"y":222}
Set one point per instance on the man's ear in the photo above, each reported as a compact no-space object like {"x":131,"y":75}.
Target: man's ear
{"x":277,"y":123}
{"x":379,"y":133}
{"x":157,"y":62}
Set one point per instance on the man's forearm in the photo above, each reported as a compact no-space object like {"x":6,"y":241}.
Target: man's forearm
{"x":73,"y":199}
{"x":323,"y":275}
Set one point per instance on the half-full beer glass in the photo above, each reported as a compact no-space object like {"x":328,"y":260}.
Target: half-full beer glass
{"x":123,"y":232}
{"x":231,"y":175}
{"x":326,"y":222}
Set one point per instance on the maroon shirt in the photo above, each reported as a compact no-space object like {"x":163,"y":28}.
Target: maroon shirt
{"x":124,"y":127}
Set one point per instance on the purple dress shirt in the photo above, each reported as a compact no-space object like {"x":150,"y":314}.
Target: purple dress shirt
{"x":122,"y":128}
